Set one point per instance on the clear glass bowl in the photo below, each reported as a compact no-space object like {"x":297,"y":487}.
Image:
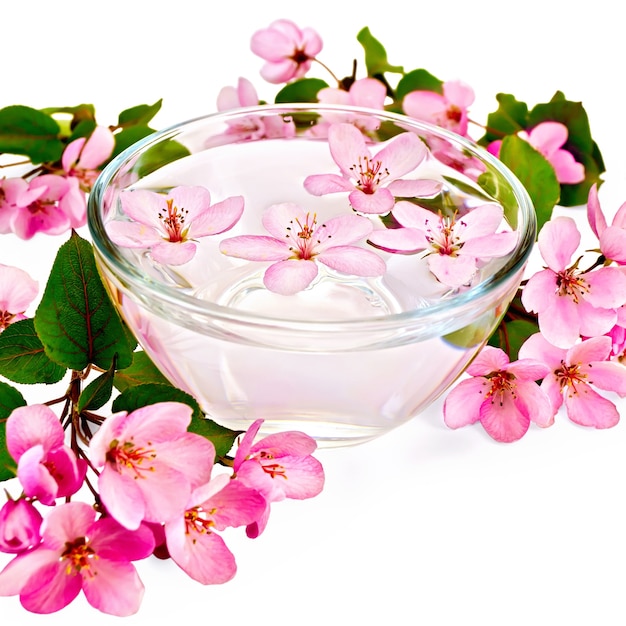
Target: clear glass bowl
{"x":348,"y":358}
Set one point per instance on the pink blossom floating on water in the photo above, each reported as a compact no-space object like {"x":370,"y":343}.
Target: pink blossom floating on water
{"x":298,"y":242}
{"x":454,"y":246}
{"x":168,"y":224}
{"x":372,"y":180}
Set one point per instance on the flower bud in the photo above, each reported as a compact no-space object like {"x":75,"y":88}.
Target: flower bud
{"x":20,"y":523}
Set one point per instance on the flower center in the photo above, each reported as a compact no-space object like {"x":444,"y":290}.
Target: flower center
{"x":128,"y":456}
{"x":78,"y":555}
{"x":453,"y":113}
{"x":301,"y":236}
{"x":273,"y":469}
{"x":501,"y":383}
{"x":198,"y":520}
{"x":369,"y":174}
{"x":174,"y":222}
{"x":572,"y":285}
{"x":444,"y":238}
{"x":568,"y":376}
{"x":5,"y":319}
{"x":300,"y":56}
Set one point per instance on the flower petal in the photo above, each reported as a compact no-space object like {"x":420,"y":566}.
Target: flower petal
{"x":398,"y":239}
{"x":377,"y":203}
{"x":462,"y":404}
{"x":586,"y":407}
{"x":321,"y":184}
{"x":503,"y":420}
{"x":255,"y":248}
{"x":353,"y":260}
{"x":218,"y":218}
{"x":170,"y":253}
{"x":290,"y":276}
{"x":558,"y":240}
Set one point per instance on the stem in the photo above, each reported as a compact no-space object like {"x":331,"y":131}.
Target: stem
{"x":330,"y":71}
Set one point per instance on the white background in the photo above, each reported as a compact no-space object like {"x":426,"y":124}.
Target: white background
{"x":425,"y":525}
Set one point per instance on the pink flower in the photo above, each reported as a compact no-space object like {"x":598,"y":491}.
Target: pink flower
{"x":83,"y":157}
{"x":251,"y":127}
{"x":297,"y":242}
{"x":278,"y":466}
{"x":168,"y":224}
{"x":455,"y":246}
{"x":20,"y":525}
{"x":17,"y":291}
{"x":80,"y":552}
{"x":365,"y":92}
{"x":288,"y":50}
{"x":569,"y":302}
{"x":548,"y":139}
{"x":46,"y":467}
{"x":150,"y":463}
{"x":48,"y":204}
{"x":192,"y":540}
{"x":573,"y":375}
{"x":612,"y":238}
{"x":370,"y":179}
{"x":447,"y":110}
{"x":501,"y":395}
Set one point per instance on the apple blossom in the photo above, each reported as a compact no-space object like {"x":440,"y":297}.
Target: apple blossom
{"x":279,"y":466}
{"x":287,"y":49}
{"x":369,"y":178}
{"x":83,"y":157}
{"x":78,"y":553}
{"x":46,"y":467}
{"x":149,"y":463}
{"x":297,"y":242}
{"x":612,"y":238}
{"x":548,"y":138}
{"x":168,"y":224}
{"x":570,"y":302}
{"x":447,"y":110}
{"x":573,"y":375}
{"x":502,"y":395}
{"x":454,"y":246}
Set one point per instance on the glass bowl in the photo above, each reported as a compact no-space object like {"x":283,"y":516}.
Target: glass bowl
{"x":374,"y":336}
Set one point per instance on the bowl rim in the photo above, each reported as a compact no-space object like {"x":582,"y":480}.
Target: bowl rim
{"x":105,"y":250}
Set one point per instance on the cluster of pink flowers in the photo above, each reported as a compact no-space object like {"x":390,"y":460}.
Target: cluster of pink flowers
{"x":155,"y":491}
{"x":52,"y":202}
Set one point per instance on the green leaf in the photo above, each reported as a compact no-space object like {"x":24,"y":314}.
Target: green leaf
{"x":128,"y":136}
{"x":510,"y":117}
{"x":30,"y":132}
{"x":375,"y":55}
{"x":141,"y":371}
{"x":151,"y":393}
{"x":98,"y":392}
{"x":158,"y":155}
{"x":418,"y":80}
{"x":22,"y":356}
{"x":75,"y":320}
{"x":140,"y":114}
{"x":302,"y":90}
{"x":535,"y":173}
{"x":10,"y":399}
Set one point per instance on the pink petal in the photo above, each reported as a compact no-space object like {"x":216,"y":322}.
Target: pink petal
{"x":489,"y":246}
{"x":132,"y":234}
{"x":31,"y":425}
{"x":347,"y":146}
{"x":280,"y":71}
{"x":402,"y":154}
{"x":122,"y":497}
{"x":595,"y":216}
{"x":321,"y":184}
{"x":589,"y":351}
{"x":113,"y":542}
{"x":218,"y":218}
{"x":558,"y":240}
{"x":613,"y":244}
{"x":245,"y":444}
{"x":424,"y":105}
{"x":462,"y":404}
{"x":353,"y":260}
{"x":415,"y":216}
{"x":235,"y":505}
{"x":595,"y":321}
{"x":560,"y":323}
{"x":35,"y":477}
{"x":113,"y":587}
{"x":193,"y":199}
{"x":281,"y":218}
{"x":588,"y":408}
{"x":539,"y":292}
{"x":304,"y":477}
{"x":480,"y":221}
{"x":607,"y":375}
{"x":368,"y":92}
{"x":568,"y":171}
{"x":341,"y":230}
{"x":533,"y":401}
{"x":548,"y":137}
{"x":488,"y":360}
{"x":170,"y":253}
{"x":458,"y":93}
{"x":19,"y":570}
{"x":552,"y":388}
{"x":453,"y":271}
{"x":502,"y":419}
{"x":50,"y":589}
{"x":143,"y":206}
{"x":97,"y":149}
{"x":423,"y":188}
{"x":191,"y":455}
{"x":255,"y":248}
{"x":290,"y":276}
{"x":71,"y":153}
{"x":285,"y":443}
{"x":527,"y":369}
{"x":271,"y":44}
{"x":377,"y":203}
{"x":399,"y":239}
{"x":537,"y":347}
